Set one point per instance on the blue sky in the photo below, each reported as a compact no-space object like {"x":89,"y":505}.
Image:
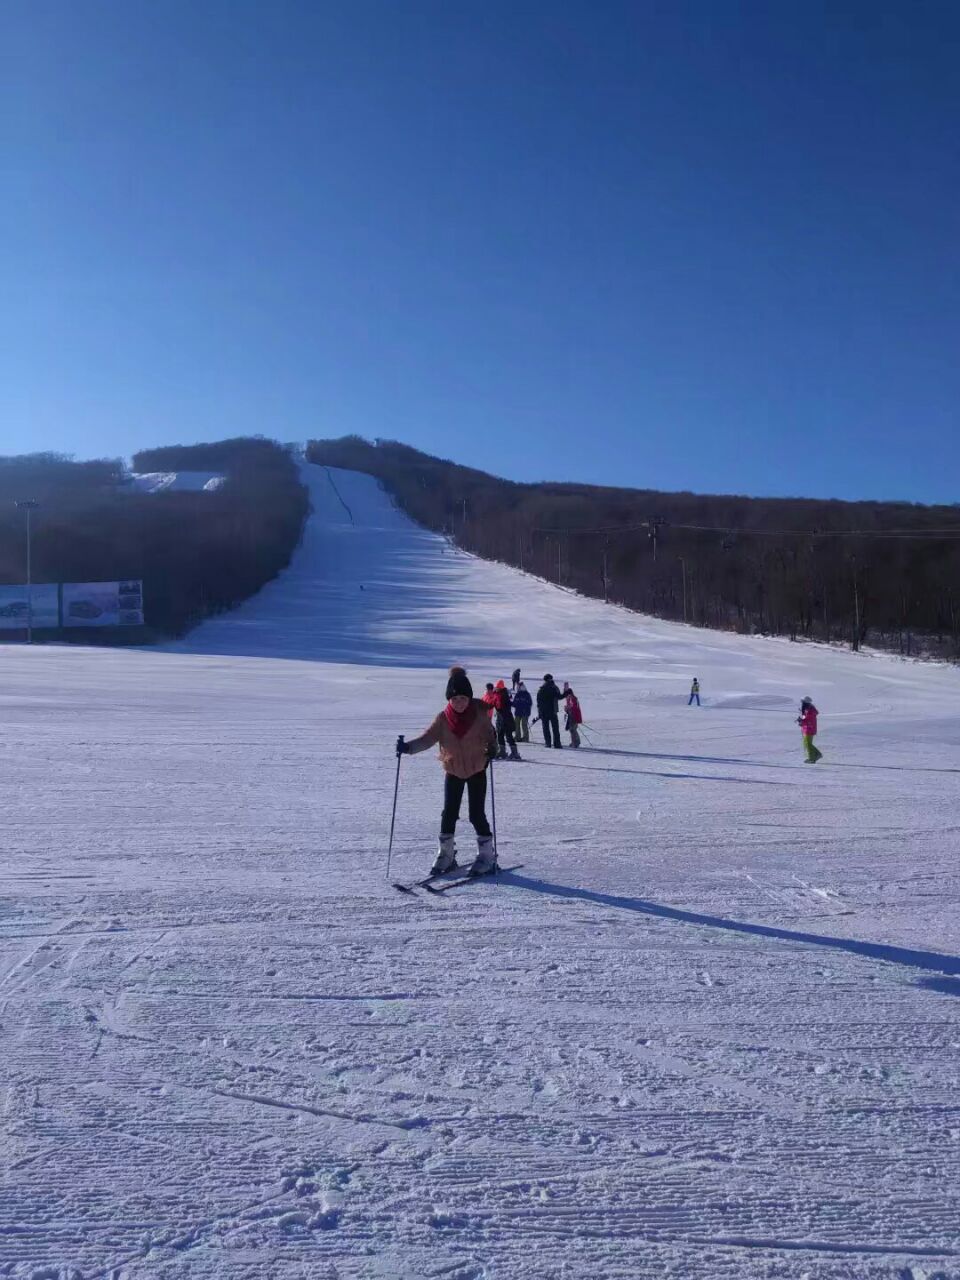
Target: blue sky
{"x":690,"y":245}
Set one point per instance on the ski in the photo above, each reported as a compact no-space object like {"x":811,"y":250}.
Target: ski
{"x":425,"y":883}
{"x":454,"y":884}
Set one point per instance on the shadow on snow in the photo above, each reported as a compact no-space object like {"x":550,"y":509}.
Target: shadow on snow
{"x":934,"y":961}
{"x":760,"y":764}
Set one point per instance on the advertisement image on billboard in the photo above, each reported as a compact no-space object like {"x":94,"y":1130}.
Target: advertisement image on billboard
{"x":103,"y":604}
{"x":39,"y":604}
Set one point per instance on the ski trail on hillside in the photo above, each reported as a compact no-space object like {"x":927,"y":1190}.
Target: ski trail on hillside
{"x":708,"y":1031}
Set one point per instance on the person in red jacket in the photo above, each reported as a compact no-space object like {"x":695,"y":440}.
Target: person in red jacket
{"x":807,"y":720}
{"x":574,"y":716}
{"x":489,"y":700}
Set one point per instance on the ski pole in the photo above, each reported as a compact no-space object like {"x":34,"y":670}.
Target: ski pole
{"x":393,"y":816}
{"x":493,"y":810}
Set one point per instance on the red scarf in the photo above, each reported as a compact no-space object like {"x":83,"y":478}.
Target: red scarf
{"x":460,"y":721}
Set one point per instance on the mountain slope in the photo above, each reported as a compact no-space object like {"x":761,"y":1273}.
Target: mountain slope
{"x":707,"y":1029}
{"x":882,"y":573}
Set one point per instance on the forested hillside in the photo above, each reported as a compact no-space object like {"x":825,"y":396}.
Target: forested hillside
{"x":197,"y":553}
{"x":882,"y":573}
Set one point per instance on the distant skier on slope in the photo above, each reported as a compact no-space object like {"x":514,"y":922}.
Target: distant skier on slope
{"x":522,"y":706}
{"x":505,"y":722}
{"x":489,"y":700}
{"x":573,"y":716}
{"x":807,"y":720}
{"x":515,"y":680}
{"x":467,"y":744}
{"x":694,"y":692}
{"x":548,"y":702}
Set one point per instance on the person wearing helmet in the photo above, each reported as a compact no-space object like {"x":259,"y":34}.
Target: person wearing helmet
{"x":807,"y":720}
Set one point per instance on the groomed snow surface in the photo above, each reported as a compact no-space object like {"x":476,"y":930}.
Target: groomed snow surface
{"x":174,"y":481}
{"x":708,"y":1029}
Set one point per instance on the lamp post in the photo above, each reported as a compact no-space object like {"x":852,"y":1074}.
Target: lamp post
{"x":29,"y":505}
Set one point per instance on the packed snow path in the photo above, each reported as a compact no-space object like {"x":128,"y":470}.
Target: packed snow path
{"x":710,"y":1029}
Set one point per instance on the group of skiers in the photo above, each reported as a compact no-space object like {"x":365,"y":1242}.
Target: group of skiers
{"x":510,"y":709}
{"x":470,"y":732}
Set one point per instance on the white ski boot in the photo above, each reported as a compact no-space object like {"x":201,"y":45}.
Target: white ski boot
{"x":486,"y":859}
{"x":446,"y":859}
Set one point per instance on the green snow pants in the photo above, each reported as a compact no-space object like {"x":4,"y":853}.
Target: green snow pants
{"x":813,"y":753}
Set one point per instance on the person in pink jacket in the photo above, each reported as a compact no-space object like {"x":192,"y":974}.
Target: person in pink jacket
{"x":574,"y":716}
{"x":807,"y":720}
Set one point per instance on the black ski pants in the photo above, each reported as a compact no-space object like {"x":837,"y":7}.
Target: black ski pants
{"x":551,"y":722}
{"x":476,"y":800}
{"x":505,"y":738}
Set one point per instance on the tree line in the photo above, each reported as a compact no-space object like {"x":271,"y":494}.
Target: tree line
{"x":197,"y":553}
{"x":879,"y":573}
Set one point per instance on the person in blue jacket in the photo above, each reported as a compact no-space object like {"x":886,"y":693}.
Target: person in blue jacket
{"x":522,"y":706}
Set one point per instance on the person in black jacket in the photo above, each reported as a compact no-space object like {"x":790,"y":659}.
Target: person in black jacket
{"x":549,"y":698}
{"x":505,"y":722}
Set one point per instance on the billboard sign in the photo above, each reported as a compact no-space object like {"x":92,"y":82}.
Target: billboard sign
{"x":103,"y":604}
{"x":41,"y":606}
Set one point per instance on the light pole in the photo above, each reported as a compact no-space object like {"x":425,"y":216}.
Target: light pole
{"x":683,"y":569}
{"x":29,"y":505}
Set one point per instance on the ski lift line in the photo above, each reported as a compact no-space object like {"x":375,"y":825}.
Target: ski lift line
{"x":739,"y":531}
{"x":343,"y":504}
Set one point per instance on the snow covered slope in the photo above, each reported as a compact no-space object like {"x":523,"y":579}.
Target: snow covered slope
{"x":709,"y":1028}
{"x":174,"y":481}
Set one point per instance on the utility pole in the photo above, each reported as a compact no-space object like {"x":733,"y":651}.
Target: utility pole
{"x":856,"y":607}
{"x":654,"y":527}
{"x":606,"y":544}
{"x":683,"y":569}
{"x":559,"y":558}
{"x":29,"y":505}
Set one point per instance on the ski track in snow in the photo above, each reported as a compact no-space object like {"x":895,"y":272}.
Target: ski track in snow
{"x":709,"y":1029}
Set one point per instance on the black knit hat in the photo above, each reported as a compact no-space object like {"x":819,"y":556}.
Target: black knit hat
{"x":458,"y":686}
